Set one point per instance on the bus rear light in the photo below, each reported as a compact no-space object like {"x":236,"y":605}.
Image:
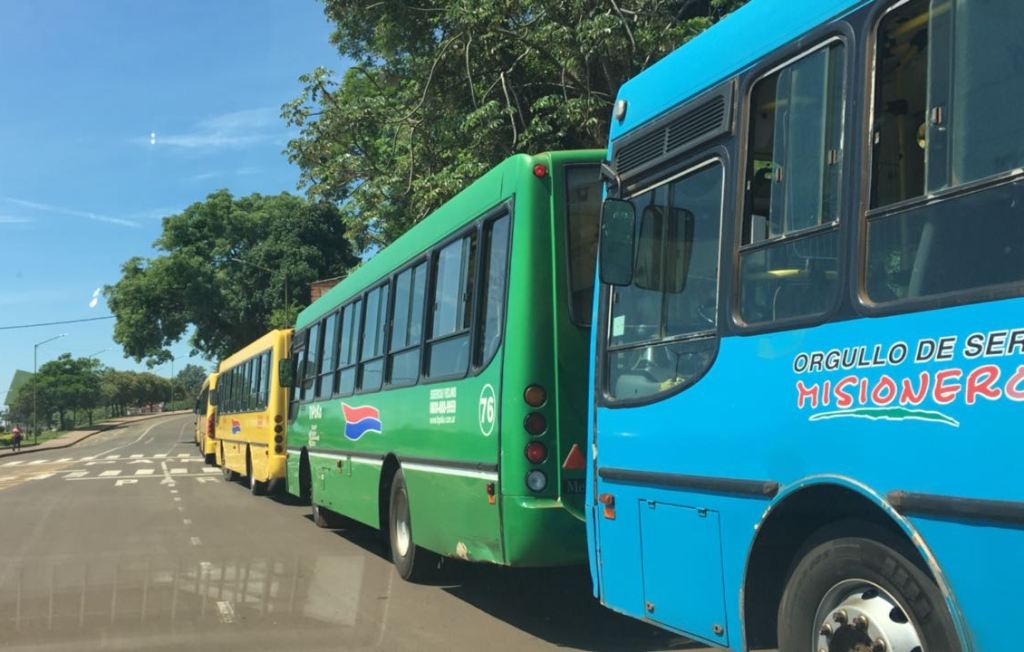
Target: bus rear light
{"x":536,"y":452}
{"x":536,"y":480}
{"x":540,"y":170}
{"x":278,"y":418}
{"x":211,"y":426}
{"x":535,"y":396}
{"x":278,"y":439}
{"x":278,"y":449}
{"x":278,"y":428}
{"x":490,"y":493}
{"x":535,"y":423}
{"x":608,"y":501}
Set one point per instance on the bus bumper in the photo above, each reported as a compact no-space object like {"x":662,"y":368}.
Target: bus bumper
{"x":542,"y":532}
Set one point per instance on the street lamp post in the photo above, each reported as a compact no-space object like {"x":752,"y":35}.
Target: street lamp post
{"x":35,"y":383}
{"x":271,"y":272}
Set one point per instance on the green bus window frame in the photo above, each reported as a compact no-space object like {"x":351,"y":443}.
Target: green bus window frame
{"x":392,"y":352}
{"x":430,"y":342}
{"x":480,"y":314}
{"x":352,"y":365}
{"x":324,"y":387}
{"x":382,"y":331}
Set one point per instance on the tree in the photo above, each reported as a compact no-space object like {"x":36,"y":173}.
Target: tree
{"x":440,"y":91}
{"x":62,"y":386}
{"x":223,"y":271}
{"x":189,"y":381}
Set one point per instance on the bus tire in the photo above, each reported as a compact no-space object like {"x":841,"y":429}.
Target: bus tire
{"x":847,"y":593}
{"x":227,"y":473}
{"x":210,"y":459}
{"x":322,"y":517}
{"x":412,"y":562}
{"x":256,"y":488}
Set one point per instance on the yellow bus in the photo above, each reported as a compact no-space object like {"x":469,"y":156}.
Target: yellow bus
{"x":252,"y":407}
{"x":206,"y":419}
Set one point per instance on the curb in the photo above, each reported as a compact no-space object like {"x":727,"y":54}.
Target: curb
{"x":103,"y":428}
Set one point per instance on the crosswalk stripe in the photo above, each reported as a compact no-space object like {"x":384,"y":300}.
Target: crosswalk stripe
{"x":144,"y":472}
{"x":87,"y":458}
{"x":110,"y":474}
{"x":64,"y":459}
{"x":113,"y":457}
{"x":5,"y":478}
{"x":14,"y":463}
{"x":207,"y":469}
{"x":184,"y":454}
{"x":41,"y":476}
{"x":34,"y":462}
{"x":178,"y":471}
{"x":136,"y":456}
{"x":77,"y":474}
{"x":160,"y":455}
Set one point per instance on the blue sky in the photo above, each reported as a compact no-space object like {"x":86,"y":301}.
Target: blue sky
{"x":115,"y":114}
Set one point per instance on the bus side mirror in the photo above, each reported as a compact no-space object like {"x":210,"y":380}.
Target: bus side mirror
{"x":618,"y":227}
{"x":284,"y":373}
{"x":214,"y":398}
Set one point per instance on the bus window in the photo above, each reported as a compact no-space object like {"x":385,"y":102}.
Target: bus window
{"x":661,"y":337}
{"x":793,"y":180}
{"x":264,"y":392}
{"x":351,"y":315}
{"x":312,"y":362}
{"x":407,"y":326}
{"x":325,"y":379}
{"x":583,"y":216}
{"x":371,"y":366}
{"x":492,"y":301}
{"x":448,"y":350}
{"x":947,"y":75}
{"x":298,"y":365}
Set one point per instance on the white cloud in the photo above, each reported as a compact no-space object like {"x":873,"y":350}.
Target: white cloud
{"x":12,"y":219}
{"x":234,"y":129}
{"x":60,"y":210}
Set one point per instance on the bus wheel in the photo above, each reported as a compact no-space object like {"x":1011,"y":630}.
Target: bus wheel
{"x":858,"y":594}
{"x":210,"y":459}
{"x":228,"y":474}
{"x":413,"y":563}
{"x":322,"y":517}
{"x":256,"y":487}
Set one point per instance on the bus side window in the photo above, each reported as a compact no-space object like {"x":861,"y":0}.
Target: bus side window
{"x":492,"y":300}
{"x":299,"y":365}
{"x":371,"y":361}
{"x":347,"y":347}
{"x":325,"y":379}
{"x":448,"y":347}
{"x":789,"y":244}
{"x":407,"y":326}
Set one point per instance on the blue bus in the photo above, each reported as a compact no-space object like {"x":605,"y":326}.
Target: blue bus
{"x":809,"y":334}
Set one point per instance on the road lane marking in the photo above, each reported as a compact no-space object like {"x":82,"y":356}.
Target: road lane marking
{"x":227,"y":613}
{"x":178,"y":471}
{"x":7,"y":478}
{"x":41,"y":476}
{"x":177,"y":498}
{"x":184,"y":454}
{"x":34,"y":462}
{"x":210,"y":470}
{"x":144,"y":471}
{"x":136,"y":456}
{"x":174,"y":491}
{"x":111,"y":473}
{"x":195,"y":541}
{"x":88,"y":457}
{"x":186,"y":521}
{"x":77,"y":474}
{"x":100,"y":462}
{"x":63,"y":459}
{"x":202,"y":480}
{"x":113,"y":457}
{"x":160,"y":455}
{"x":14,"y":463}
{"x":124,"y":481}
{"x":180,"y":508}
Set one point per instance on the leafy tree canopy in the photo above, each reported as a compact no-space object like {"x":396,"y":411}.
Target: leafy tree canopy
{"x":442,"y":90}
{"x":224,"y":266}
{"x":190,"y":380}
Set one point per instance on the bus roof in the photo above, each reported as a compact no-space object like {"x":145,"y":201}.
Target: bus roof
{"x":461,"y":209}
{"x":259,"y":344}
{"x":737,"y":42}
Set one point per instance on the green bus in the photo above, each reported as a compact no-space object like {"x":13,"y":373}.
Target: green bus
{"x":439,"y":391}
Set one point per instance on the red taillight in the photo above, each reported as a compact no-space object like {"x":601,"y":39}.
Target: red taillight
{"x":536,"y":452}
{"x":540,"y":170}
{"x":535,"y":423}
{"x":608,"y":500}
{"x":535,"y":396}
{"x":211,"y":426}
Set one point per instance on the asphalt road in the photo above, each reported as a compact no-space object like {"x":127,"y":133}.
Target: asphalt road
{"x":127,"y":541}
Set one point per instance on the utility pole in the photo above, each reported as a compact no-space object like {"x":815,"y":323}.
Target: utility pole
{"x":35,"y":383}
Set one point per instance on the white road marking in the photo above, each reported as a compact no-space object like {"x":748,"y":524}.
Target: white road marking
{"x":100,"y":462}
{"x":160,"y":456}
{"x":41,"y":476}
{"x":180,"y":508}
{"x":6,"y":478}
{"x":76,"y":474}
{"x":177,"y":498}
{"x":111,"y":473}
{"x":210,"y":470}
{"x":34,"y":462}
{"x":174,"y":491}
{"x":141,"y":462}
{"x":88,"y":457}
{"x":227,"y":613}
{"x":144,"y":471}
{"x":63,"y":459}
{"x":202,"y":480}
{"x":186,"y":521}
{"x":178,"y":471}
{"x":124,"y":481}
{"x":184,"y":454}
{"x":113,"y":457}
{"x":136,"y":456}
{"x":14,"y":463}
{"x":195,"y":541}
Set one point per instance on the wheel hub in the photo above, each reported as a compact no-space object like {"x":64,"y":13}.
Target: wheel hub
{"x":859,"y":616}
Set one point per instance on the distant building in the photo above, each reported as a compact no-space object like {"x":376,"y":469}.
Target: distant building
{"x":318,"y":289}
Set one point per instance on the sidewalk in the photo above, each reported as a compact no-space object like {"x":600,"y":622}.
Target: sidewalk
{"x":76,"y":436}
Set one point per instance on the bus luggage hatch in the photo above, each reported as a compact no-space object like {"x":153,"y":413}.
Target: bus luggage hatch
{"x":682,"y":570}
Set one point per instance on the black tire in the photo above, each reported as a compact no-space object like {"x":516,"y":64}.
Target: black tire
{"x":412,"y":562}
{"x":874,"y":574}
{"x":210,"y":459}
{"x":323,"y":517}
{"x":256,"y":488}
